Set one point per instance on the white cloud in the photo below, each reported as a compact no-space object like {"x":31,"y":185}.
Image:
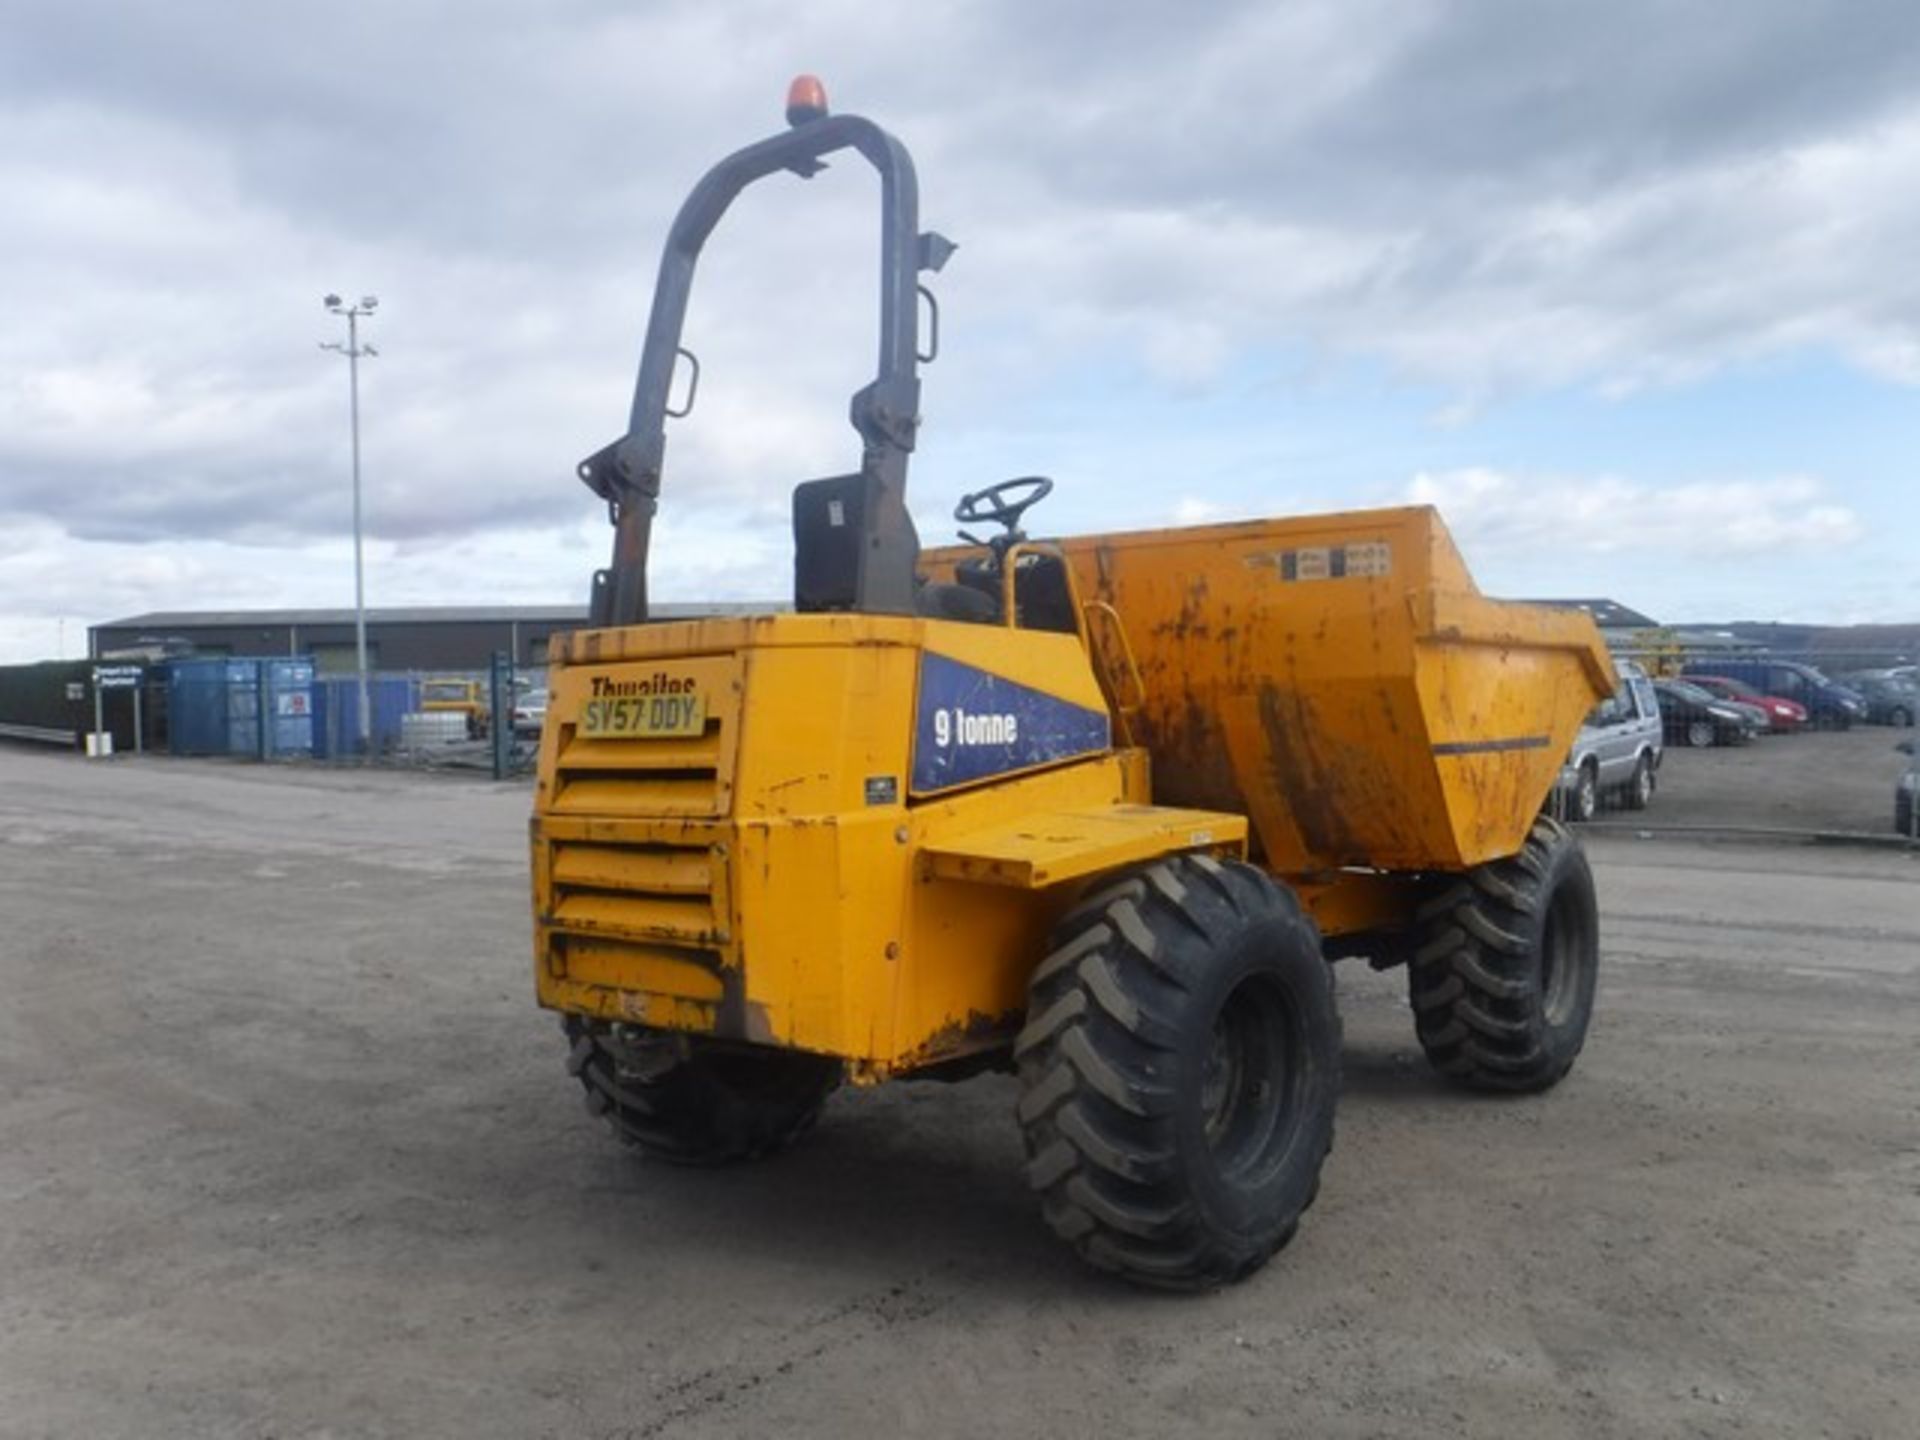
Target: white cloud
{"x":1196,"y":510}
{"x":1483,"y":206}
{"x":1499,"y":513}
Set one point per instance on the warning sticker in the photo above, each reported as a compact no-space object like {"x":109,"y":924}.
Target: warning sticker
{"x":1363,"y":559}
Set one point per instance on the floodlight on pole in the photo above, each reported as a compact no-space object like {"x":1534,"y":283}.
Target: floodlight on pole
{"x":353,"y":350}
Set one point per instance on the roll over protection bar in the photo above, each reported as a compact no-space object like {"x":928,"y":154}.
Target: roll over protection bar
{"x":886,"y":412}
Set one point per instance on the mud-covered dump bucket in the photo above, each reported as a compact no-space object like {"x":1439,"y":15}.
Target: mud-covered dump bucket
{"x":1340,"y":680}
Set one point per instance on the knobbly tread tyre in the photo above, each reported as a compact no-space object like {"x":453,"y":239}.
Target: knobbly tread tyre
{"x":711,"y":1107}
{"x":1478,"y":979}
{"x":1113,"y":1060}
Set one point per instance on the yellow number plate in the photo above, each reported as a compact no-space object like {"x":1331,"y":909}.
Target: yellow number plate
{"x":644,"y":717}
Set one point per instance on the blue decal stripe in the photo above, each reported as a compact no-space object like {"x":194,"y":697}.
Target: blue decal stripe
{"x":972,"y":724}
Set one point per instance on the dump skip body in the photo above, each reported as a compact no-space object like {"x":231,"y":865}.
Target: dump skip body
{"x":1341,"y":681}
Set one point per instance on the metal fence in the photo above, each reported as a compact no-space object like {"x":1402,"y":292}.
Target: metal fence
{"x":484,"y":720}
{"x":278,"y":708}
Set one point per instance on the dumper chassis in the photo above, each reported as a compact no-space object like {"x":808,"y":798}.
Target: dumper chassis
{"x":1096,"y":810}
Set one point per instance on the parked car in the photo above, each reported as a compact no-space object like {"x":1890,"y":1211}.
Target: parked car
{"x":1757,"y":720}
{"x":1891,"y":699}
{"x":1906,"y":790}
{"x":529,"y":712}
{"x":1617,"y":750}
{"x":1781,"y":715}
{"x":1831,"y":706}
{"x":1692,"y":716}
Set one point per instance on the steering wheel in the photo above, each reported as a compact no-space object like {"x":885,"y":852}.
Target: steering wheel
{"x":1003,"y":504}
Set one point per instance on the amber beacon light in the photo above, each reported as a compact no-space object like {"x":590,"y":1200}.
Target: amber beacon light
{"x":806,"y":100}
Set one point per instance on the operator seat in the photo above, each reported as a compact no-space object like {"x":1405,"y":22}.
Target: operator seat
{"x":827,"y":526}
{"x":940,"y":601}
{"x":1042,"y":598}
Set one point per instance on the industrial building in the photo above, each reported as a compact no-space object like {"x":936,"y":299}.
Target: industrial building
{"x":419,"y":638}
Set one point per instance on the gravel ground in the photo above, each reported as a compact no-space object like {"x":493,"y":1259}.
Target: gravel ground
{"x":286,"y":1151}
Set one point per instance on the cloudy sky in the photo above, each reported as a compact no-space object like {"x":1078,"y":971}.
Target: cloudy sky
{"x":1628,"y":290}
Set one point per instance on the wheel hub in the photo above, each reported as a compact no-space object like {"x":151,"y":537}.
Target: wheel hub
{"x":1245,"y":1077}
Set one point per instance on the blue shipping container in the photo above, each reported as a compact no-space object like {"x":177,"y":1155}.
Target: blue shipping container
{"x":287,"y":688}
{"x":227,"y":706}
{"x":336,"y":705}
{"x":197,"y":720}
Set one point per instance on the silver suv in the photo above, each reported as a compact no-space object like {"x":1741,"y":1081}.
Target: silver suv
{"x":1617,"y":751}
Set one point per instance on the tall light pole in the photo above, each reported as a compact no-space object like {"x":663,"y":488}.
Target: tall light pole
{"x":353,"y":350}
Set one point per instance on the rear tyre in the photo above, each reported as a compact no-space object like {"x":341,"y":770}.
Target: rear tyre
{"x":1700,"y":734}
{"x":1178,"y":1072}
{"x":1586,"y":792}
{"x":1639,"y":791}
{"x":692,"y":1102}
{"x":1503,"y":978}
{"x":1900,"y":716}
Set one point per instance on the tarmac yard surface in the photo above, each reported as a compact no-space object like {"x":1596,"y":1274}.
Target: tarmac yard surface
{"x":286,"y":1150}
{"x":1814,"y":781}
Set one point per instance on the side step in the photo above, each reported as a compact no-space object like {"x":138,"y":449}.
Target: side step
{"x":1052,"y":846}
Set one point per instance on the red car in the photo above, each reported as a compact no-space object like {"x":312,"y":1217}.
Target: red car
{"x":1782,"y":715}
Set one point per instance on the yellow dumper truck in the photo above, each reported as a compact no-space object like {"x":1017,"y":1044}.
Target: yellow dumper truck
{"x":1096,"y":811}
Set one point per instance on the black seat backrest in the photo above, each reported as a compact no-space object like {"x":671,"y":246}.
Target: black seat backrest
{"x":978,"y":572}
{"x":958,"y":602}
{"x":1041,"y":597}
{"x":828,"y":518}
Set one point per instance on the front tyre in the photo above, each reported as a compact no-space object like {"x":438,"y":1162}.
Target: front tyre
{"x":1178,"y":1070}
{"x":691,"y":1102}
{"x":1503,"y":978}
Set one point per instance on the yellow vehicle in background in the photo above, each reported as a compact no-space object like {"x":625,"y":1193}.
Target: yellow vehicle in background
{"x":457,"y":695}
{"x":1097,"y":811}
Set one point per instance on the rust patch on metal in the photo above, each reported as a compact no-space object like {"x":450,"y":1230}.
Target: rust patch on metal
{"x":967,"y":1037}
{"x":1191,"y":763}
{"x":1192,"y":621}
{"x":1296,"y":768}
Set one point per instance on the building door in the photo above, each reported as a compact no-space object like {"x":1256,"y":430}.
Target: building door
{"x":342,"y":659}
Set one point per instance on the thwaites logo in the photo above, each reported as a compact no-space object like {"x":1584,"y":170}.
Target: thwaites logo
{"x":658,"y":683}
{"x":973,"y":724}
{"x":659,"y":704}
